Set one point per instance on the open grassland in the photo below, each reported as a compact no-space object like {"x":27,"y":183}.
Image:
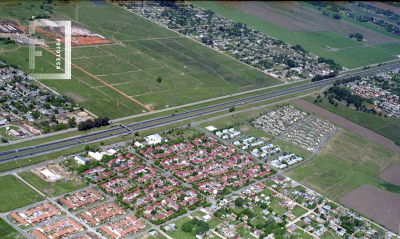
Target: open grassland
{"x":298,"y":25}
{"x":393,"y":48}
{"x":388,"y":127}
{"x":15,"y":194}
{"x":295,"y":149}
{"x":220,"y":123}
{"x":8,"y":232}
{"x":326,"y":39}
{"x":179,"y":234}
{"x":119,"y":79}
{"x":251,"y":131}
{"x":346,"y":162}
{"x":51,"y":189}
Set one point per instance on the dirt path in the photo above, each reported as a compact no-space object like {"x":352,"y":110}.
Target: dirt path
{"x":348,"y":124}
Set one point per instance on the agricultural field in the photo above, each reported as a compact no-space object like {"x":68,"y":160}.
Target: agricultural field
{"x":346,"y":162}
{"x":52,"y":189}
{"x":16,"y":194}
{"x":119,"y":79}
{"x":380,"y":205}
{"x":302,"y":23}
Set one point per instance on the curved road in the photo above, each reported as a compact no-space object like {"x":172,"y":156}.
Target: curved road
{"x":9,"y":155}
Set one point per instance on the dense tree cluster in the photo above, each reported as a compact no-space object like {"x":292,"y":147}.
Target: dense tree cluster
{"x":88,"y":124}
{"x":347,"y":80}
{"x":332,"y":64}
{"x":350,"y":223}
{"x":319,"y":77}
{"x":337,"y":16}
{"x":357,"y":36}
{"x":341,"y":93}
{"x":7,"y":40}
{"x":195,"y":226}
{"x":298,"y":48}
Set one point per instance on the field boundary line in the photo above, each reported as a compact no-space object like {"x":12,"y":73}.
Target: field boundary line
{"x":122,"y":93}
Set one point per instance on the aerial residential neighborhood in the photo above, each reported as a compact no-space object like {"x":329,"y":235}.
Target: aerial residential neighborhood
{"x":199,"y":119}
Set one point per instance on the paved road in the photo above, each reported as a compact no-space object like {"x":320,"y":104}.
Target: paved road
{"x":69,"y":214}
{"x":10,"y":155}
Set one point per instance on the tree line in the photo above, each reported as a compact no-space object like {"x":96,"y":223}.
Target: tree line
{"x":88,"y":124}
{"x":320,"y":78}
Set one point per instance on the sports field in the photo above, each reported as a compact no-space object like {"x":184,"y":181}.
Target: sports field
{"x":119,"y":79}
{"x":346,"y":162}
{"x":304,"y":24}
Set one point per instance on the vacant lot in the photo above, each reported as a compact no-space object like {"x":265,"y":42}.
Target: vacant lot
{"x":51,"y":189}
{"x":349,"y":125}
{"x":220,"y":123}
{"x":382,"y":206}
{"x":15,"y":194}
{"x":346,"y":162}
{"x":391,"y":174}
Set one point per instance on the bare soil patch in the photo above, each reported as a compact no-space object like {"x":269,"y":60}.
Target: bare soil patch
{"x":348,"y":124}
{"x":392,"y":174}
{"x":380,"y":205}
{"x":48,"y":191}
{"x":76,"y":97}
{"x":244,"y":129}
{"x":76,"y":41}
{"x":79,"y":41}
{"x":294,"y":17}
{"x":52,"y":169}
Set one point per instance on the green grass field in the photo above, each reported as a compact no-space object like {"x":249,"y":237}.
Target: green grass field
{"x":16,"y":194}
{"x":388,"y":127}
{"x":298,"y":211}
{"x":179,"y":234}
{"x":313,"y":41}
{"x":250,"y":131}
{"x":213,"y":223}
{"x":8,"y":232}
{"x":220,"y":123}
{"x":327,"y":39}
{"x":303,"y":235}
{"x":198,"y":214}
{"x":190,"y":71}
{"x":346,"y":162}
{"x":393,"y":48}
{"x":329,"y":235}
{"x":278,"y":208}
{"x":51,"y":189}
{"x":295,"y":149}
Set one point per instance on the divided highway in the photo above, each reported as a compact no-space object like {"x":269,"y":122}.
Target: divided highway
{"x":10,"y":155}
